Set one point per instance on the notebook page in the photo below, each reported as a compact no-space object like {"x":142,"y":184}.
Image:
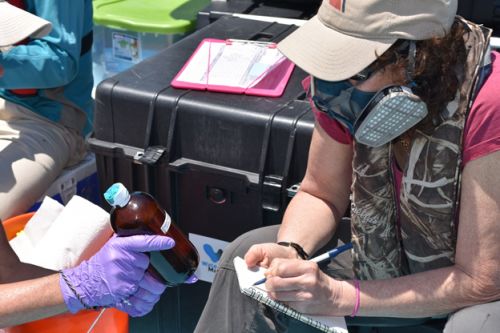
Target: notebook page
{"x":247,"y":277}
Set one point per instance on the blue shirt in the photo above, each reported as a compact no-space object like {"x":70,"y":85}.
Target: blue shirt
{"x":54,"y":61}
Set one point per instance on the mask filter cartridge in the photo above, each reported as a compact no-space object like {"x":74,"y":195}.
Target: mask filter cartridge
{"x":390,"y":113}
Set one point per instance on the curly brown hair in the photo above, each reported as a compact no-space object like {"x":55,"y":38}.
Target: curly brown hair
{"x":439,"y":66}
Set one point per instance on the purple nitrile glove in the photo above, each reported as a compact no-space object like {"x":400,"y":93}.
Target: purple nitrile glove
{"x":144,"y":299}
{"x":149,"y":292}
{"x":192,"y":279}
{"x":114,"y":274}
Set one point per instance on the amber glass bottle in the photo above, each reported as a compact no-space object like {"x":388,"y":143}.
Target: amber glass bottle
{"x":138,"y":213}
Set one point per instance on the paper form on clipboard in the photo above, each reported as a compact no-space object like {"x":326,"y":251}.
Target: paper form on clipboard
{"x":236,"y":66}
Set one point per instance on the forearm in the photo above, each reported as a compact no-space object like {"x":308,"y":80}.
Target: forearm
{"x":30,"y":300}
{"x":430,"y":293}
{"x":312,"y":216}
{"x":309,"y":222}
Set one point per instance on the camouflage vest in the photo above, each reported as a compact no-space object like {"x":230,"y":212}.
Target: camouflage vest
{"x":429,"y":193}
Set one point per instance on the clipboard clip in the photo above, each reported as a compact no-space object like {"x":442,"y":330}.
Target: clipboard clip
{"x":271,"y":45}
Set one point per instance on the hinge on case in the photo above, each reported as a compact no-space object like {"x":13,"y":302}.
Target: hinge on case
{"x":150,"y":155}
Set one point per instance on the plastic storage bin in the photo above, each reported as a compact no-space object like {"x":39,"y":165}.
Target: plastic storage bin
{"x":112,"y":320}
{"x":80,"y":179}
{"x":129,"y":31}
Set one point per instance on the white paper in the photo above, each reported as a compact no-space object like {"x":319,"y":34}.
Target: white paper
{"x":25,"y":241}
{"x":74,"y":234}
{"x":240,"y":65}
{"x":41,"y":221}
{"x":247,"y":277}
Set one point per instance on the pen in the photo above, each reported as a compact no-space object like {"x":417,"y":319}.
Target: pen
{"x":322,"y":257}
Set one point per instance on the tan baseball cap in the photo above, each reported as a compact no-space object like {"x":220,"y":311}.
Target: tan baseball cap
{"x":17,"y":24}
{"x":347,"y":35}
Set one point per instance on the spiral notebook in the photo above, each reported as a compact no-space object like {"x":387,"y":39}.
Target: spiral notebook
{"x":236,"y":66}
{"x":247,"y":277}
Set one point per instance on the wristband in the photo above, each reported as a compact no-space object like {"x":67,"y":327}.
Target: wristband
{"x":356,"y":305}
{"x":300,"y":251}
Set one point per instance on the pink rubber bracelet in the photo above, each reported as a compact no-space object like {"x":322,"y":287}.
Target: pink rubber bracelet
{"x":356,"y":306}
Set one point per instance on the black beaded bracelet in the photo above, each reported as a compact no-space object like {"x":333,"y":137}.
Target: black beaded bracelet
{"x":85,"y":305}
{"x":300,"y":251}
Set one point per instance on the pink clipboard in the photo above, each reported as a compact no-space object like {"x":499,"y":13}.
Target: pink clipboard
{"x":214,"y":61}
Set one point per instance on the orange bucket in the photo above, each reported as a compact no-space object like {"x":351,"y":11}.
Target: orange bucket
{"x":111,"y":321}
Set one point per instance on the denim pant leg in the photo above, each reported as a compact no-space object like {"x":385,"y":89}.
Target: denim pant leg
{"x":228,"y":310}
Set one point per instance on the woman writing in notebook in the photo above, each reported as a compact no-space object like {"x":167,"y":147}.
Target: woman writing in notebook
{"x":405,"y":98}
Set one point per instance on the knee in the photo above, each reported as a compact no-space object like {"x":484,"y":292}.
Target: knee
{"x":240,"y":245}
{"x":484,"y":318}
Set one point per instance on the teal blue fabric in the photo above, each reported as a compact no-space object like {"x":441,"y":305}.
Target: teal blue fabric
{"x":53,"y":61}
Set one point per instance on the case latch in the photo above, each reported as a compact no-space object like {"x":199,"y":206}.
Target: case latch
{"x":272,"y":192}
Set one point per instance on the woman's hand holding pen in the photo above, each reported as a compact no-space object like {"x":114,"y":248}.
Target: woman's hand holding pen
{"x":303,"y":286}
{"x":263,"y":254}
{"x":299,"y":283}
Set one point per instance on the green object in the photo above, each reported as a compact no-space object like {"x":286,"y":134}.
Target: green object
{"x":149,"y":16}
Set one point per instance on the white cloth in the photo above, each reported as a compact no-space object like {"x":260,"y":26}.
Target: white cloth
{"x":33,"y":153}
{"x":77,"y":232}
{"x":35,"y":229}
{"x":41,"y":221}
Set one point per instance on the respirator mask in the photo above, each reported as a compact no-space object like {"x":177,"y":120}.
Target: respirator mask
{"x":373,"y":118}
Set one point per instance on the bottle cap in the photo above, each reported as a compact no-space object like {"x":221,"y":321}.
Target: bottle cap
{"x":117,"y":195}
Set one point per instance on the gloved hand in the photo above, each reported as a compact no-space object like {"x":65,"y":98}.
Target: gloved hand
{"x":116,"y":276}
{"x":143,"y":301}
